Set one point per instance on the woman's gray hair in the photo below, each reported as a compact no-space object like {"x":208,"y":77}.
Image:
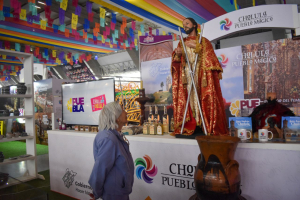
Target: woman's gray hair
{"x":108,"y":116}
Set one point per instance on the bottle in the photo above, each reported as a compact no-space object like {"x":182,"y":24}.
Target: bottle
{"x":156,"y":115}
{"x":148,"y":128}
{"x":172,"y":125}
{"x":159,"y":129}
{"x":153,"y":128}
{"x":150,"y":116}
{"x":145,"y":128}
{"x":165,"y":121}
{"x":64,"y":126}
{"x":59,"y":124}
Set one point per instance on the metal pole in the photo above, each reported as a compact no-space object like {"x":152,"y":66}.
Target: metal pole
{"x":193,"y":83}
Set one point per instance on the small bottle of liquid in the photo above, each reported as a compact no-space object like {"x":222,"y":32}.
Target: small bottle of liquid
{"x":159,"y":129}
{"x":145,"y":128}
{"x":153,"y":128}
{"x":150,"y":116}
{"x":59,"y":124}
{"x":64,"y":126}
{"x":172,"y":125}
{"x":165,"y":121}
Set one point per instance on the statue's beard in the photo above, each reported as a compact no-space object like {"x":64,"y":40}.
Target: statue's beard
{"x":189,"y":30}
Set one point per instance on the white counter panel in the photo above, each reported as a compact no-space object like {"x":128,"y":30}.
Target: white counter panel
{"x":268,"y":170}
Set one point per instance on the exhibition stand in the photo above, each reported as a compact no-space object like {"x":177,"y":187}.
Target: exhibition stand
{"x":268,"y":170}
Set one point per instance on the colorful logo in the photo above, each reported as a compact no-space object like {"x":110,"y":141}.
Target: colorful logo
{"x":68,"y":178}
{"x":242,"y":104}
{"x":235,"y":108}
{"x":144,"y":169}
{"x":149,"y":39}
{"x":225,"y":24}
{"x":98,"y":102}
{"x":75,"y":104}
{"x":241,"y":133}
{"x":223,"y":60}
{"x":262,"y":133}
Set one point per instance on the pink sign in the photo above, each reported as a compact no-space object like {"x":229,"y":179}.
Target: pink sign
{"x":98,"y":102}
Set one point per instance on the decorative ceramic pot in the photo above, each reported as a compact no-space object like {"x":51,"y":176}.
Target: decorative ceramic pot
{"x":3,"y":178}
{"x":24,"y":134}
{"x":1,"y":157}
{"x":6,"y":112}
{"x":17,"y":134}
{"x":16,"y":112}
{"x":21,"y":88}
{"x":9,"y":135}
{"x":6,"y":90}
{"x":217,"y":175}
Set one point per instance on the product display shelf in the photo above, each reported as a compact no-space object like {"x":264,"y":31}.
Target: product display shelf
{"x":14,"y":117}
{"x":16,"y":139}
{"x":8,"y":161}
{"x":31,"y":162}
{"x":16,"y":95}
{"x":12,"y":181}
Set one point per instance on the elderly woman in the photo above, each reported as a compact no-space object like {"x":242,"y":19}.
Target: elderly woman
{"x":112,"y":175}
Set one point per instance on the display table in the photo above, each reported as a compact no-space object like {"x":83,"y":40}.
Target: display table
{"x":268,"y":170}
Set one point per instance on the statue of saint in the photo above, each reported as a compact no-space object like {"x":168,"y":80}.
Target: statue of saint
{"x":207,"y":74}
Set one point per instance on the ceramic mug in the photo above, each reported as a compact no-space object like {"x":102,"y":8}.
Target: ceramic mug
{"x":242,"y":134}
{"x":263,"y":135}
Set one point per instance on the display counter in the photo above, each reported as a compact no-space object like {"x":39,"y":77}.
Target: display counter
{"x":268,"y":170}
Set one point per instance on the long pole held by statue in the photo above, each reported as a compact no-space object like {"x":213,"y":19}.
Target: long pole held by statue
{"x":193,"y":82}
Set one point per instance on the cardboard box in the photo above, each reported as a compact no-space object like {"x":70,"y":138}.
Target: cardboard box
{"x":87,"y":128}
{"x":236,"y":123}
{"x":81,"y":128}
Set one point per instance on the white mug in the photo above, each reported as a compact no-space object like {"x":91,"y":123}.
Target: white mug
{"x":242,"y":134}
{"x":263,"y":135}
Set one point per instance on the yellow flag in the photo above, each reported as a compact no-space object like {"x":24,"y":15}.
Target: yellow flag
{"x":54,"y":53}
{"x":43,"y":24}
{"x":111,"y":46}
{"x":23,"y":14}
{"x":74,"y":18}
{"x":135,"y":41}
{"x":4,"y":56}
{"x":139,"y":33}
{"x":12,"y":50}
{"x":64,"y":4}
{"x":58,"y":61}
{"x":103,"y":40}
{"x":164,"y":32}
{"x":74,"y":26}
{"x":102,"y":13}
{"x":13,"y":73}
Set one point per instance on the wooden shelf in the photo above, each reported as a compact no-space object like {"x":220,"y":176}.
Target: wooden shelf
{"x":14,"y":117}
{"x":18,"y":180}
{"x":16,"y":95}
{"x":17,"y":138}
{"x":7,"y":161}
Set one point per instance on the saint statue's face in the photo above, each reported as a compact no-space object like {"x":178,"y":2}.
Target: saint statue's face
{"x":188,"y":26}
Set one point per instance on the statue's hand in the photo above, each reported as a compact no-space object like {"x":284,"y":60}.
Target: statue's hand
{"x":191,"y":44}
{"x":178,"y":51}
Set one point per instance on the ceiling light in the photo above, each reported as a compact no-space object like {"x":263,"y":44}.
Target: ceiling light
{"x":37,"y":7}
{"x":41,"y":2}
{"x":107,"y":13}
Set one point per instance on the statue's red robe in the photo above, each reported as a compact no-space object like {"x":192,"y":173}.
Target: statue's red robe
{"x":208,"y":89}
